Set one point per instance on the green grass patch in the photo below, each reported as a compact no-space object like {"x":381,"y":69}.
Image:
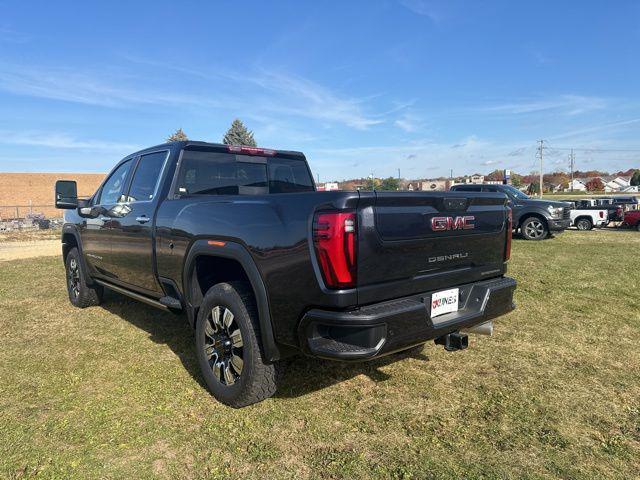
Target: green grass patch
{"x":115,"y":392}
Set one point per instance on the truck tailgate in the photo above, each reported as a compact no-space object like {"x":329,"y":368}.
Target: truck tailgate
{"x":412,"y":242}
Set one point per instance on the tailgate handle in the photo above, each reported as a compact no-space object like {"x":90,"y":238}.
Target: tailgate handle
{"x":455,"y":203}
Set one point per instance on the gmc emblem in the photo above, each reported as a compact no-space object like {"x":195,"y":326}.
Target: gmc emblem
{"x":441,"y":224}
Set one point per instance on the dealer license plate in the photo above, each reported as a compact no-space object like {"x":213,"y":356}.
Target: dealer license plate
{"x":444,"y":302}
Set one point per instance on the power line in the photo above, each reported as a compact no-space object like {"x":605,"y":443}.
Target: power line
{"x":541,"y":154}
{"x":572,"y":159}
{"x":584,"y":149}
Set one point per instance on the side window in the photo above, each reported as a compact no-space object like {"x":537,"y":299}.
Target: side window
{"x":489,"y":189}
{"x":112,"y":189}
{"x":289,"y":176}
{"x":471,"y":189}
{"x":146,"y":176}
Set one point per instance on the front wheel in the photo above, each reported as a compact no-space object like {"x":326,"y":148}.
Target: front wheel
{"x":534,"y":229}
{"x":81,"y":295}
{"x":228,"y":347}
{"x":584,"y":224}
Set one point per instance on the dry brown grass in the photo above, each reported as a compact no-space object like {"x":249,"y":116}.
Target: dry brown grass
{"x":115,"y":392}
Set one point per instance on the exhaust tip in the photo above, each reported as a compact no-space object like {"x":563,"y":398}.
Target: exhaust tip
{"x":453,"y":341}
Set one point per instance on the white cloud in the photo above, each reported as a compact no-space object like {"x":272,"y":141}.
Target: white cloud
{"x":424,"y":8}
{"x":9,"y":35}
{"x":61,"y":141}
{"x":409,"y":123}
{"x":565,"y":104}
{"x":263,"y":92}
{"x":611,"y":126}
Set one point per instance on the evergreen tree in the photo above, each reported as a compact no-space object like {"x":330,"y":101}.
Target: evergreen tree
{"x":177,"y":136}
{"x":238,"y":134}
{"x":635,"y":178}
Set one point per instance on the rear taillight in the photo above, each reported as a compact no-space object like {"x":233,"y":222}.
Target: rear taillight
{"x":243,"y":149}
{"x":601,"y":214}
{"x":334,"y":238}
{"x":507,"y":250}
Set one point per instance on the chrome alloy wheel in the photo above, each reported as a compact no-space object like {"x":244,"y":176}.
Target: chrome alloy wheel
{"x":534,"y":229}
{"x":223,"y":345}
{"x":73,"y":276}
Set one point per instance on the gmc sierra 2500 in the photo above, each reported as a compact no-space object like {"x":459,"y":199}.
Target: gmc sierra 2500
{"x":266,"y":267}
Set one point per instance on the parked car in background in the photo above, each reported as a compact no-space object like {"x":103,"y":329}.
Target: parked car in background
{"x":630,"y":202}
{"x":535,"y":218}
{"x":586,"y":219}
{"x":632,"y":219}
{"x":266,"y":267}
{"x":614,"y":212}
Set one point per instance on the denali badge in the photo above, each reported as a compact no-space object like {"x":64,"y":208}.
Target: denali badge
{"x":440,"y":224}
{"x":445,"y":258}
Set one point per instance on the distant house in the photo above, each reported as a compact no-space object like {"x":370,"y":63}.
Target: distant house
{"x":435,"y":185}
{"x":475,"y":179}
{"x":578,"y":185}
{"x":615,"y":184}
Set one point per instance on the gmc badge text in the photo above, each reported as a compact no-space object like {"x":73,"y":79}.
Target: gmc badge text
{"x":265,"y":267}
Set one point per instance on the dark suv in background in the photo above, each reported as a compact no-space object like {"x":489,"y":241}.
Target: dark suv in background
{"x":535,"y":218}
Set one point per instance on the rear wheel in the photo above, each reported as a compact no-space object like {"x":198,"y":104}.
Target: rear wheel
{"x":533,"y":228}
{"x":228,"y":348}
{"x":638,"y":226}
{"x":584,"y":224}
{"x":81,"y":295}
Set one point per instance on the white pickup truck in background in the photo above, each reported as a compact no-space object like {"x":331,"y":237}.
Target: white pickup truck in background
{"x":586,"y":219}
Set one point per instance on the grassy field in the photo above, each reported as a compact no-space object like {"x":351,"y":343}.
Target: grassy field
{"x":115,"y":392}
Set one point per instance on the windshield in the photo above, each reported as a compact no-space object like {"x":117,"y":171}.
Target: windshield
{"x":515,"y":192}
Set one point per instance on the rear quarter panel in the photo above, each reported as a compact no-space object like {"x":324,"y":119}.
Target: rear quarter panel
{"x":274,"y":229}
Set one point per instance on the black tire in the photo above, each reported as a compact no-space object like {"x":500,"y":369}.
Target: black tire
{"x":228,"y":349}
{"x":533,"y":228}
{"x":80,"y":294}
{"x":584,"y":224}
{"x":638,"y":227}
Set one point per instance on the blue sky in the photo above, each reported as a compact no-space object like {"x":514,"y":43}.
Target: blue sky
{"x":361,"y":86}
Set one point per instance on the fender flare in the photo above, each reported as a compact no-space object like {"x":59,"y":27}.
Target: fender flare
{"x":71,"y":229}
{"x":234,"y":251}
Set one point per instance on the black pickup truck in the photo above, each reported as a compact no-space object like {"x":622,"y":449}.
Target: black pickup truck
{"x":265,"y":267}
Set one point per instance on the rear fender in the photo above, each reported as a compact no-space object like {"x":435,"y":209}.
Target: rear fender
{"x":234,"y":251}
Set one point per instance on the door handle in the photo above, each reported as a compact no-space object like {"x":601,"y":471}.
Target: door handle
{"x":142,"y":219}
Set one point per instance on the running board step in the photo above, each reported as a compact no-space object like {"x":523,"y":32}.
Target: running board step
{"x":134,"y":295}
{"x":171,"y":302}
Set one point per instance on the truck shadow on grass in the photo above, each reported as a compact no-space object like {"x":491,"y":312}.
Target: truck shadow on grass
{"x":302,"y":375}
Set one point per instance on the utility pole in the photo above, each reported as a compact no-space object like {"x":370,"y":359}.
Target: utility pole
{"x":318,"y":175}
{"x":398,"y":174}
{"x":541,"y":152}
{"x":572,"y":159}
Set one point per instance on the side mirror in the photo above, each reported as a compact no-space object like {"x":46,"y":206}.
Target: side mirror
{"x":66,"y":194}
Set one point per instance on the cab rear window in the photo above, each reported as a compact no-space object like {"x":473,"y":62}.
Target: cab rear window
{"x":216,"y":173}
